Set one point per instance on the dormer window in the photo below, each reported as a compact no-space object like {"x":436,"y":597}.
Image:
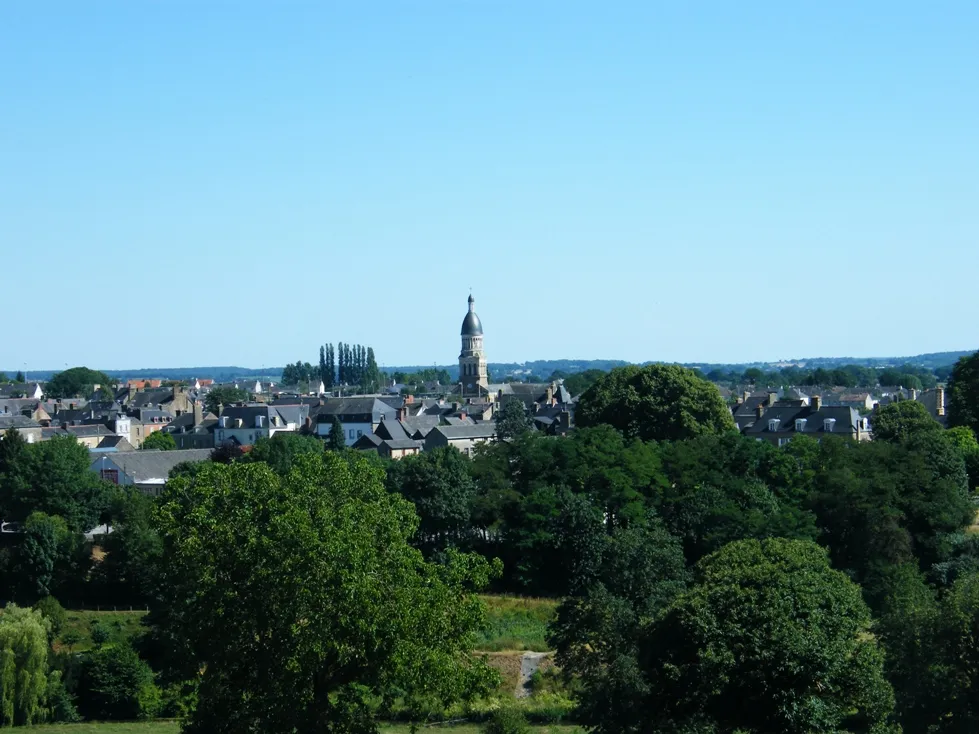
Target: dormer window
{"x":773,"y":424}
{"x":828,"y":424}
{"x":800,"y":425}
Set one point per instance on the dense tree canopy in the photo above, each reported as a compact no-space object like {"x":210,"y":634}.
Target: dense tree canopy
{"x":319,"y":604}
{"x":900,"y":421}
{"x":658,"y":403}
{"x":769,"y":638}
{"x":223,"y":395}
{"x":963,"y":393}
{"x":159,"y":441}
{"x":75,"y":383}
{"x":24,"y":679}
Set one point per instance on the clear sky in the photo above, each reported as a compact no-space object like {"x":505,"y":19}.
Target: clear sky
{"x":202,"y":183}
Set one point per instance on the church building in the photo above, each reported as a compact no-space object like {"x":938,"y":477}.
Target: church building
{"x":473,"y":374}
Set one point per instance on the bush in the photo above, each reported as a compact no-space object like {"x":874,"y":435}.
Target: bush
{"x":116,"y":685}
{"x":53,"y":612}
{"x":100,"y":634}
{"x":507,"y":720}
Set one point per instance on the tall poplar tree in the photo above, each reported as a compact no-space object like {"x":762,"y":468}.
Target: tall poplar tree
{"x":323,"y":365}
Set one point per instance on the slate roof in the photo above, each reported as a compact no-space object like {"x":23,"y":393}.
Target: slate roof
{"x":471,"y":325}
{"x":421,"y":425}
{"x":454,"y":421}
{"x":354,"y":410}
{"x":117,"y":443}
{"x":367,"y":442}
{"x":283,"y":414}
{"x":403,"y":443}
{"x":17,"y":421}
{"x":389,"y":430}
{"x":848,"y":420}
{"x":479,"y":430}
{"x":154,"y":466}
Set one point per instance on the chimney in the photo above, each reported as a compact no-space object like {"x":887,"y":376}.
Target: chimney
{"x":816,"y":402}
{"x":550,"y":395}
{"x":914,"y":393}
{"x":940,"y":401}
{"x":745,"y":395}
{"x":462,"y":415}
{"x":198,"y":413}
{"x":772,"y":398}
{"x":760,"y":411}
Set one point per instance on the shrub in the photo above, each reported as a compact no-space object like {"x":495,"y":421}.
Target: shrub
{"x":100,"y":634}
{"x":507,"y":720}
{"x":53,"y":612}
{"x":116,"y":685}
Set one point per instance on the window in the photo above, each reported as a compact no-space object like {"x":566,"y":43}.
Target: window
{"x":828,"y":424}
{"x":783,"y":441}
{"x":800,"y":425}
{"x":773,"y":424}
{"x":359,"y":434}
{"x":110,"y":475}
{"x":351,"y":434}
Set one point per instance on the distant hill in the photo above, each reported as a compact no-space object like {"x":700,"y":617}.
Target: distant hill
{"x":540,"y":368}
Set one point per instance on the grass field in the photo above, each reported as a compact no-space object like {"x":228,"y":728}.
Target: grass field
{"x":512,"y":623}
{"x":516,"y":623}
{"x":172,"y":727}
{"x":122,"y":626}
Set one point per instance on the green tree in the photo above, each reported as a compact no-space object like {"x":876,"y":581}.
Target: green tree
{"x":99,"y":635}
{"x":53,"y":477}
{"x":770,"y":638}
{"x":75,"y":383}
{"x":132,"y":550}
{"x":439,"y":485}
{"x":357,"y":612}
{"x":512,"y":420}
{"x":54,"y":613}
{"x":335,"y":441}
{"x":963,"y":393}
{"x":281,"y":450}
{"x":223,"y":395}
{"x":37,"y":555}
{"x":115,"y":685}
{"x":159,"y":441}
{"x":899,"y":421}
{"x":577,"y":383}
{"x":23,"y":666}
{"x":655,"y":403}
{"x":19,"y":377}
{"x":965,"y":440}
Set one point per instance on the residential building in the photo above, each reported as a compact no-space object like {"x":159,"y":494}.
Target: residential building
{"x":246,"y":423}
{"x":780,"y":424}
{"x":193,"y":430}
{"x":27,"y":427}
{"x":358,"y":416}
{"x":146,"y":470}
{"x":463,"y":438}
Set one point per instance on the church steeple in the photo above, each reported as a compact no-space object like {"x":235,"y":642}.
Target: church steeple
{"x":473,"y":374}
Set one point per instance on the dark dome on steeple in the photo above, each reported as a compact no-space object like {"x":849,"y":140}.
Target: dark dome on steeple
{"x":471,"y":325}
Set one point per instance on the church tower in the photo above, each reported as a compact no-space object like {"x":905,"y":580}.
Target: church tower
{"x":472,"y":360}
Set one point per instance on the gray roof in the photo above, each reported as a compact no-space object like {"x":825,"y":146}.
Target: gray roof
{"x":421,"y":425}
{"x":480,"y":430}
{"x":362,"y":410}
{"x":17,"y":421}
{"x":403,"y":443}
{"x":389,"y":430}
{"x":847,"y":420}
{"x":149,"y":466}
{"x":471,"y":325}
{"x":455,"y":421}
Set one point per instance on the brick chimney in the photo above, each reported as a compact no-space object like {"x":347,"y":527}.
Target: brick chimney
{"x":816,"y":402}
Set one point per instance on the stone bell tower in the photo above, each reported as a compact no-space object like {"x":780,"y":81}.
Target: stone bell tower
{"x":472,"y":360}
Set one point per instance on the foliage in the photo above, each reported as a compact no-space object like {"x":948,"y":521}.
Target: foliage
{"x":507,"y":720}
{"x":577,"y":383}
{"x":23,"y":666}
{"x":963,"y":393}
{"x":901,"y":420}
{"x":770,"y":638}
{"x":356,"y":611}
{"x":512,"y":420}
{"x":131,"y":551}
{"x":50,"y":559}
{"x":159,"y":441}
{"x":99,"y":635}
{"x":115,"y":685}
{"x":335,"y":441}
{"x":655,"y":403}
{"x":225,"y":453}
{"x":439,"y":485}
{"x":75,"y":382}
{"x":515,"y":623}
{"x":299,"y":373}
{"x":223,"y":395}
{"x":54,"y":613}
{"x":281,"y":450}
{"x":51,"y":477}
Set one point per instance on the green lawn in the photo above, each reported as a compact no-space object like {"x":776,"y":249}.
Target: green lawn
{"x":172,"y":727}
{"x":512,"y":623}
{"x":516,"y":623}
{"x":122,"y":626}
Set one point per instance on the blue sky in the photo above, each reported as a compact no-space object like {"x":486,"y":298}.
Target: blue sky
{"x":190,"y":183}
